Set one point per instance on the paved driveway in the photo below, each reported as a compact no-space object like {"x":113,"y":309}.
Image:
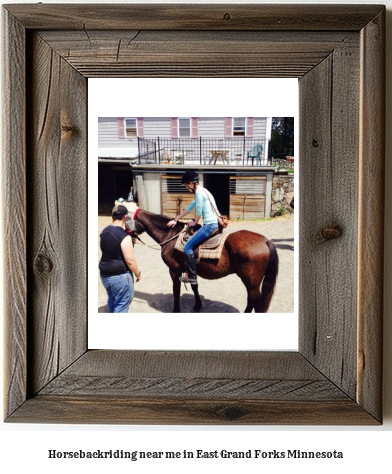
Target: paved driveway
{"x":153,"y":294}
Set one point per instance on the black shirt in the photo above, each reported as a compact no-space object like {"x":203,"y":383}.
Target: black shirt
{"x":112,"y":261}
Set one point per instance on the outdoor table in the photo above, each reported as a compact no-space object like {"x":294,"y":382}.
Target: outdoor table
{"x":215,"y":154}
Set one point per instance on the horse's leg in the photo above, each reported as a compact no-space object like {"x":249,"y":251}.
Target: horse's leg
{"x":252,"y":279}
{"x":252,"y":276}
{"x":176,"y":291}
{"x":253,"y":298}
{"x":198,"y":304}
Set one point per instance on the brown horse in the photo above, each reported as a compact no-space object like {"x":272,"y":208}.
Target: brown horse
{"x":248,"y":254}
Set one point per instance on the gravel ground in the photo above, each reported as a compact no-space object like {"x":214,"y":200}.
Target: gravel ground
{"x":153,"y":294}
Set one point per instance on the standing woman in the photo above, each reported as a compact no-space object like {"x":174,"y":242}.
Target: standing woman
{"x":204,"y":210}
{"x":118,"y":262}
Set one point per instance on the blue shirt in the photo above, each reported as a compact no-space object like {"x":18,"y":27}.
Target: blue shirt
{"x":203,"y":206}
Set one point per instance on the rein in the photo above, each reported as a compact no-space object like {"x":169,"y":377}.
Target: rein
{"x":159,"y":243}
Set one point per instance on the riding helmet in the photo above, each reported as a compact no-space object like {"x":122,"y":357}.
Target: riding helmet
{"x":190,"y":177}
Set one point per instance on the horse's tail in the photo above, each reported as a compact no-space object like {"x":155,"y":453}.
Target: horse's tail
{"x":268,"y":284}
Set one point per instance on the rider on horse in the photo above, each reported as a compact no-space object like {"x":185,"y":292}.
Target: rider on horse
{"x":203,"y":202}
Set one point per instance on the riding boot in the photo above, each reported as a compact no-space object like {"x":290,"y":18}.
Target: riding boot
{"x":191,"y":276}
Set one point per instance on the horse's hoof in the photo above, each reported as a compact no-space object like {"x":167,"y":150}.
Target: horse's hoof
{"x":197,"y":307}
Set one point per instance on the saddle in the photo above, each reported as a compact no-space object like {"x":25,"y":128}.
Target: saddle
{"x":211,"y":248}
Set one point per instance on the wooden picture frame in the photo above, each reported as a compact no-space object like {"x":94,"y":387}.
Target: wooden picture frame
{"x":337,"y":52}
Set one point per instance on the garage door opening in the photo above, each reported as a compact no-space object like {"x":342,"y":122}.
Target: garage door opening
{"x":219,"y":185}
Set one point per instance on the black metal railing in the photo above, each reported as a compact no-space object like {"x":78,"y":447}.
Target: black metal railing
{"x":206,"y":151}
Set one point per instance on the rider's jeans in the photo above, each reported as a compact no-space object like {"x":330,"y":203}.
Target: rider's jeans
{"x":199,"y":237}
{"x":120,"y":292}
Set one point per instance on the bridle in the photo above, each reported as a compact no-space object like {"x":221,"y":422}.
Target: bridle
{"x":135,"y":234}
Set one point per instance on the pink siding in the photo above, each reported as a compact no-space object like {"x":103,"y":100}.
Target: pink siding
{"x":121,"y":127}
{"x":174,"y":127}
{"x":140,"y":127}
{"x":249,"y":126}
{"x":228,"y":127}
{"x":194,"y":127}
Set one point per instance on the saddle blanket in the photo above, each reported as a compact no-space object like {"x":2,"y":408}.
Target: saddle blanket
{"x":211,"y":248}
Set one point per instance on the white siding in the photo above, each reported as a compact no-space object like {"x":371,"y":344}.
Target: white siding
{"x":260,"y":125}
{"x":157,"y":127}
{"x":213,"y":127}
{"x":160,"y":127}
{"x":108,"y":134}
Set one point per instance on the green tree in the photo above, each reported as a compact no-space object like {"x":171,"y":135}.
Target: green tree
{"x":282,"y":137}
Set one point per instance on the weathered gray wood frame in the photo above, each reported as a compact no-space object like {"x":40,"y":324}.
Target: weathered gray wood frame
{"x":337,"y":52}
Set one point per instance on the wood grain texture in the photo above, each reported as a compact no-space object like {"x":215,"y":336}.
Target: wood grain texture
{"x":371,"y":215}
{"x":208,"y":364}
{"x":194,"y":17}
{"x":329,"y":165}
{"x":155,"y":411}
{"x":14,"y":225}
{"x":194,"y":53}
{"x":57,"y":218}
{"x":206,"y":374}
{"x":335,"y":378}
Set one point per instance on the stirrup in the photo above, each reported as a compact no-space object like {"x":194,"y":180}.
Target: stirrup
{"x":184,"y":279}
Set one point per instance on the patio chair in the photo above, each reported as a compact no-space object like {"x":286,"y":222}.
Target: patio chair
{"x":179,"y":157}
{"x":255,"y":153}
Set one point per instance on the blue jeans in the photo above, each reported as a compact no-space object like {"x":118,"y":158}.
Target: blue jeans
{"x":120,"y":292}
{"x":199,"y":237}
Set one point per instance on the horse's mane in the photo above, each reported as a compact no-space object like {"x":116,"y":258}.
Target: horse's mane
{"x":160,"y":221}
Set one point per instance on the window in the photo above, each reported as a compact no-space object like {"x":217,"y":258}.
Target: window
{"x":239,"y":126}
{"x":130,"y":128}
{"x":184,"y":127}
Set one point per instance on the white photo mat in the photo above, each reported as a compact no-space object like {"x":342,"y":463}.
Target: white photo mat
{"x":147,"y":97}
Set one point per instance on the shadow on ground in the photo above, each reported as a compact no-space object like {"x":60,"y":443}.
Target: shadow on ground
{"x":163,"y":303}
{"x":282,"y":246}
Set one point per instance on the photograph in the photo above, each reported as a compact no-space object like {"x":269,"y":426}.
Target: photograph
{"x":167,"y":183}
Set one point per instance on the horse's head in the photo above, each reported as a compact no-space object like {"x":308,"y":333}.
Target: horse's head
{"x":132,"y":224}
{"x":139,"y":221}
